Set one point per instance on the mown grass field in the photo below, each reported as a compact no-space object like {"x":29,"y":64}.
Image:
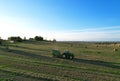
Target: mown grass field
{"x":33,"y":61}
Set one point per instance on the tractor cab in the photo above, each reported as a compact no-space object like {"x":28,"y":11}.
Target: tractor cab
{"x":66,"y":54}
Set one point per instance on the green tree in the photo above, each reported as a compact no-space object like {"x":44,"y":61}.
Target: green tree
{"x":0,"y":41}
{"x":54,"y":40}
{"x":38,"y":38}
{"x":16,"y":39}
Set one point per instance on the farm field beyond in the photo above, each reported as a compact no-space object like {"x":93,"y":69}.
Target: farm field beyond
{"x":33,"y":61}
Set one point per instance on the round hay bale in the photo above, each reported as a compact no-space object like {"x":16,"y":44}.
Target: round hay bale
{"x":99,"y":52}
{"x":97,"y":46}
{"x":71,"y":45}
{"x":115,"y":49}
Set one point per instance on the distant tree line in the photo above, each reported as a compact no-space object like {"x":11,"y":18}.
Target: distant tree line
{"x":0,"y":41}
{"x":36,"y":38}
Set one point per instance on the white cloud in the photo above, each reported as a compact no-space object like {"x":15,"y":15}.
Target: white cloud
{"x":95,"y":34}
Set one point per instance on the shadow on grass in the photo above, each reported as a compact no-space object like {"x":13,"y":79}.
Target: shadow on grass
{"x":97,"y":62}
{"x":27,"y":54}
{"x":29,"y":48}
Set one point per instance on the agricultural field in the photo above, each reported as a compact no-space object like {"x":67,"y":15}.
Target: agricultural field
{"x":33,"y":61}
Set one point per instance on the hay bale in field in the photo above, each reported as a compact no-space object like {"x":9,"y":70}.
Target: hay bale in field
{"x":71,"y":45}
{"x":99,"y":52}
{"x":97,"y":46}
{"x":115,"y":49}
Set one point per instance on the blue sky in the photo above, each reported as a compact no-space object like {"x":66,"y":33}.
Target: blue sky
{"x":64,"y":20}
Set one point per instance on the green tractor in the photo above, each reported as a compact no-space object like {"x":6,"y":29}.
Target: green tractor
{"x":65,"y":54}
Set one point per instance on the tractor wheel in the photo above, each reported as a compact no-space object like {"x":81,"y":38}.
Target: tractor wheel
{"x":71,"y":57}
{"x":63,"y":56}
